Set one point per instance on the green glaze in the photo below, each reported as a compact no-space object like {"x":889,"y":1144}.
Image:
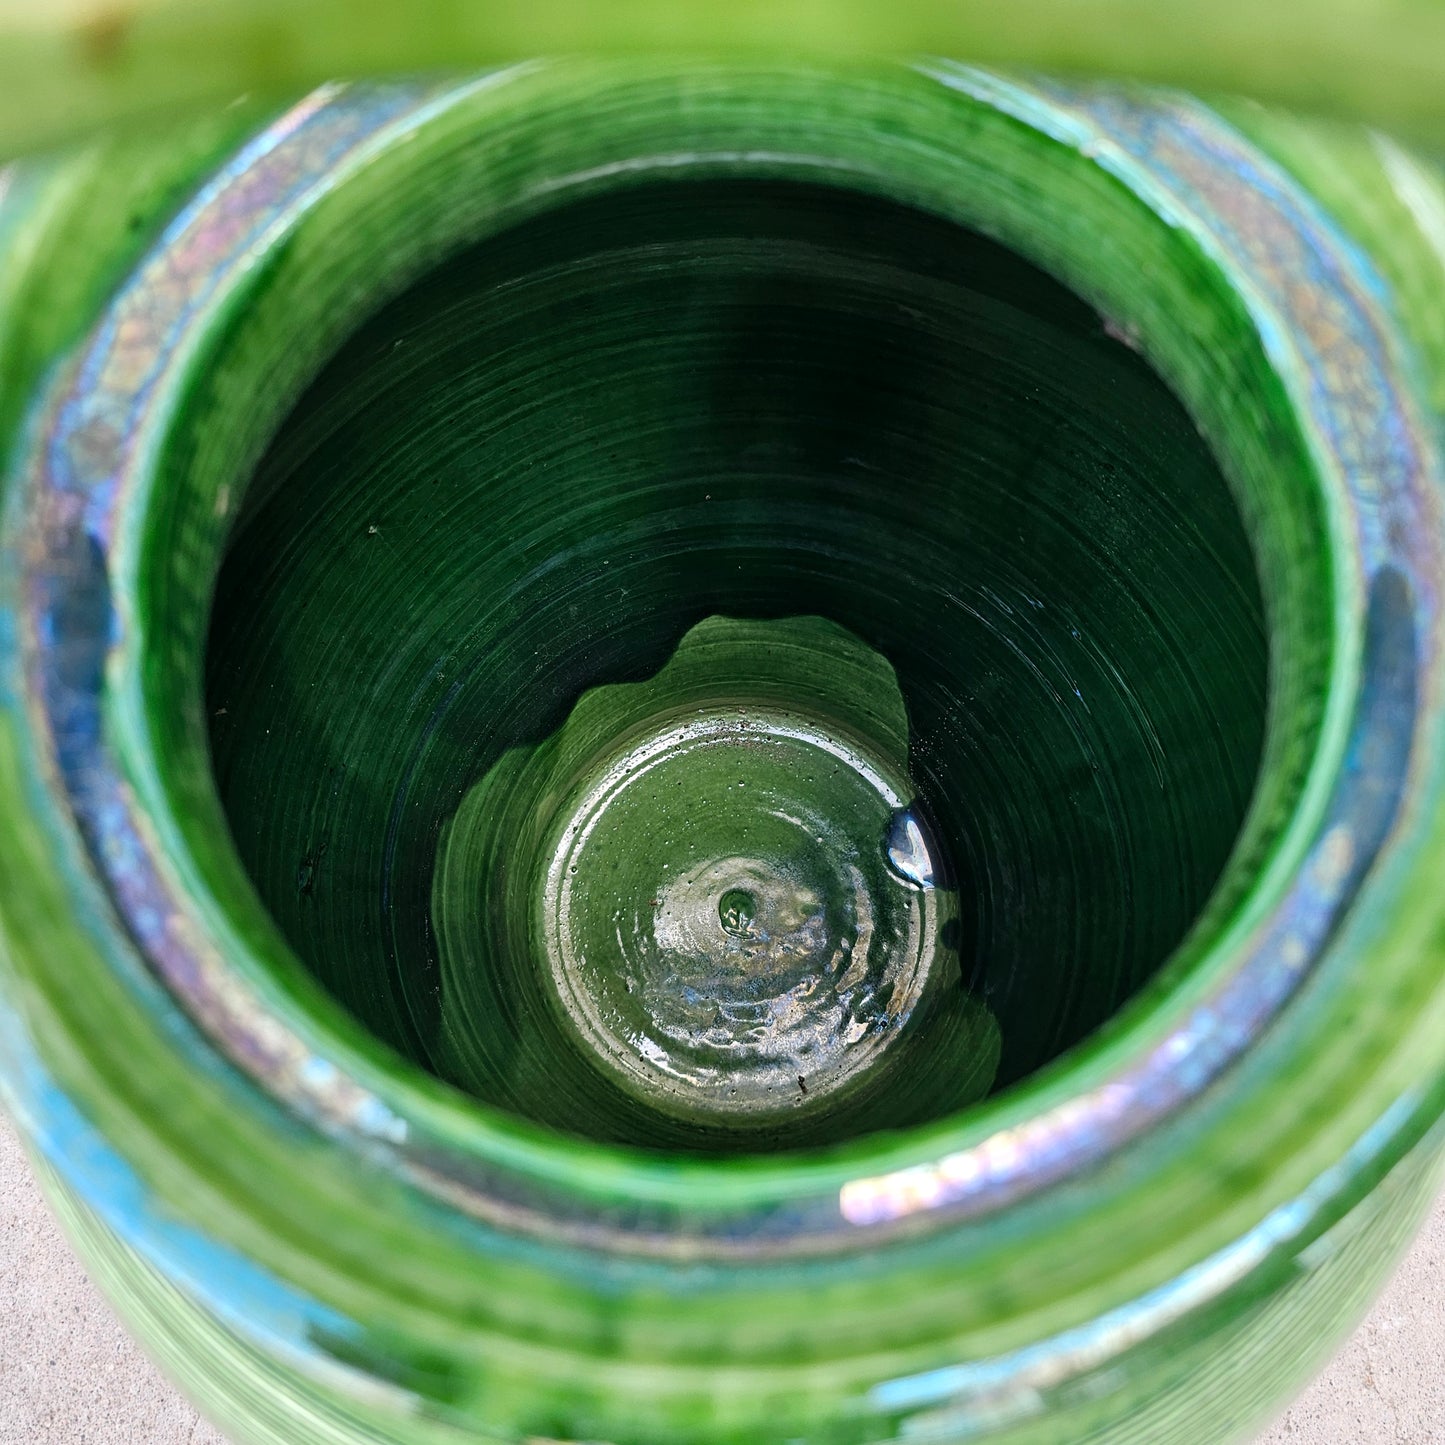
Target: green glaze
{"x":71,"y":229}
{"x":713,"y":883}
{"x":850,"y":406}
{"x":1048,"y":458}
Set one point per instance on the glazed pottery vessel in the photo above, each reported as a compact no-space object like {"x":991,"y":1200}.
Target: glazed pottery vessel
{"x":726,"y":753}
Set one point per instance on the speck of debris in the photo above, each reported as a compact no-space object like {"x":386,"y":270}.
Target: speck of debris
{"x":102,"y":36}
{"x":306,"y":871}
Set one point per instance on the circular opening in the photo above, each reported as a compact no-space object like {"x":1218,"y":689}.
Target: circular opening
{"x":737,"y":664}
{"x":356,"y":194}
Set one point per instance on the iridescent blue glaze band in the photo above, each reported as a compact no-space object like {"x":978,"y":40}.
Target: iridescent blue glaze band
{"x":1316,"y":306}
{"x":1315,"y":300}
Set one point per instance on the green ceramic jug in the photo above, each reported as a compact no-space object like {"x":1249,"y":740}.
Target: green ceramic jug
{"x":725,"y":751}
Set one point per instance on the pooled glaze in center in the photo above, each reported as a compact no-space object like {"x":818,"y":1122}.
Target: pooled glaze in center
{"x":721,"y":920}
{"x":717,"y":886}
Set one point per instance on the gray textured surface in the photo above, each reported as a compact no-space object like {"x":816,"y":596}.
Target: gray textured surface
{"x":69,"y":1375}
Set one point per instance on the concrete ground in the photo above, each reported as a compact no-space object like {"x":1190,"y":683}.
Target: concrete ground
{"x":69,"y":1375}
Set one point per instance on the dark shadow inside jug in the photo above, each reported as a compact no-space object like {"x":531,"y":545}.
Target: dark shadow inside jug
{"x":538,"y":469}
